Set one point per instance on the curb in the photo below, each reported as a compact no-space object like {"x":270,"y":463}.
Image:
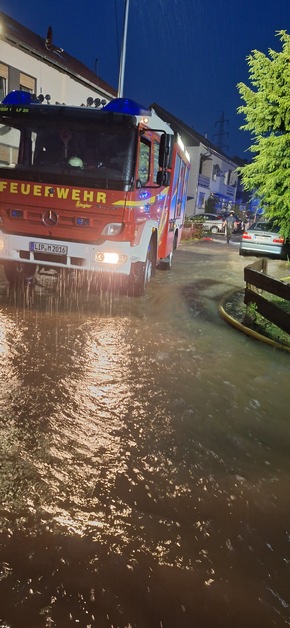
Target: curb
{"x":246,"y":330}
{"x":210,"y":239}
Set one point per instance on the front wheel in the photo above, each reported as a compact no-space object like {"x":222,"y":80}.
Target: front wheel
{"x":141,"y":273}
{"x":166,"y":262}
{"x":18,"y":274}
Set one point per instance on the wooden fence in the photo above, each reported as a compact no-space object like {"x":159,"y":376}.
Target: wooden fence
{"x":257,"y":283}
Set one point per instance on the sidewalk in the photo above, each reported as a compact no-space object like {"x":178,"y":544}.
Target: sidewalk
{"x":221,"y":238}
{"x":231,"y":305}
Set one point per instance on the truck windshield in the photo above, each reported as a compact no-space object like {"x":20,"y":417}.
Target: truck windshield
{"x":68,"y":150}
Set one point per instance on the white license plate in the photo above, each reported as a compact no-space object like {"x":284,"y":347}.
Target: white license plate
{"x":47,"y":247}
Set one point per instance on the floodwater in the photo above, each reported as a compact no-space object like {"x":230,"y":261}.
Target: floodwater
{"x":145,"y":457}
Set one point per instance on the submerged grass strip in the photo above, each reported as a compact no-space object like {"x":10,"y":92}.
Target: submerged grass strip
{"x":248,"y":316}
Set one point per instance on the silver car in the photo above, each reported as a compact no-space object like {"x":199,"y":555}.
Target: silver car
{"x":211,"y":222}
{"x":263,"y":239}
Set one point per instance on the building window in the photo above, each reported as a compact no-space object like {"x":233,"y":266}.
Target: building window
{"x":216,"y":172}
{"x":27,"y":83}
{"x":201,"y":200}
{"x":2,"y":88}
{"x":227,"y":177}
{"x":3,"y":80}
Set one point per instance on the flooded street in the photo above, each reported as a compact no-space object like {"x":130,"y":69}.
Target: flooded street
{"x":145,"y":457}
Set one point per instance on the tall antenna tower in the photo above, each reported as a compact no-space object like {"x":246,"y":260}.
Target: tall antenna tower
{"x":221,"y":133}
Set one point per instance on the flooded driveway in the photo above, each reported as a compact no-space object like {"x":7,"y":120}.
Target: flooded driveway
{"x":145,"y":463}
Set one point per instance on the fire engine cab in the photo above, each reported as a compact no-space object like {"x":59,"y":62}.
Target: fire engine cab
{"x":97,"y":191}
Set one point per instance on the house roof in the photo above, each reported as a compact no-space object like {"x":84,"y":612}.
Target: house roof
{"x":25,"y":39}
{"x":189,"y":135}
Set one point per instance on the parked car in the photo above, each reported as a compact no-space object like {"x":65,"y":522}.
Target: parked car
{"x":211,"y":222}
{"x":263,"y":239}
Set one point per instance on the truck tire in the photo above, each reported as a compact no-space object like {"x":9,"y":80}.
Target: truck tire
{"x":17,"y":273}
{"x":166,"y":262}
{"x":141,"y":273}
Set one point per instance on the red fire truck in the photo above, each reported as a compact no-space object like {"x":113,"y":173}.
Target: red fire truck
{"x":100,"y":192}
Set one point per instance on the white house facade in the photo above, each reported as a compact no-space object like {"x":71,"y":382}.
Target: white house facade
{"x":212,"y":175}
{"x":216,"y":177}
{"x":32,"y":63}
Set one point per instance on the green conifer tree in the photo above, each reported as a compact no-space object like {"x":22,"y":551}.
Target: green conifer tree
{"x":267,"y":117}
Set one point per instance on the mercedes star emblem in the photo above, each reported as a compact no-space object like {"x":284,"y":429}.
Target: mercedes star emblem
{"x":49,"y":218}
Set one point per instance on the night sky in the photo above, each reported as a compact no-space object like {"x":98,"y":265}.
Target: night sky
{"x":186,"y":55}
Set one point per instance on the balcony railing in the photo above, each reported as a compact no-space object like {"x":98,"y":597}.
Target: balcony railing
{"x":231,"y":190}
{"x":203,"y":181}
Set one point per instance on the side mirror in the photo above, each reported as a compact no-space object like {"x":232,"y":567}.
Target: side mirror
{"x":163,"y":178}
{"x":165,"y":151}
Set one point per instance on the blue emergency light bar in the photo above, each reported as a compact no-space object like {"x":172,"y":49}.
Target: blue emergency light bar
{"x":19,"y":97}
{"x":125,"y":105}
{"x":117,"y":105}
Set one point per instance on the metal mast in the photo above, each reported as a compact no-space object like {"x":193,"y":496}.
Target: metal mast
{"x":123,"y":52}
{"x":221,"y":133}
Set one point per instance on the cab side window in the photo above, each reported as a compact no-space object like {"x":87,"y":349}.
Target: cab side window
{"x":156,"y":160}
{"x":144,"y":161}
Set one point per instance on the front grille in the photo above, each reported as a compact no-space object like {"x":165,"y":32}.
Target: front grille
{"x":57,"y":259}
{"x":24,"y":254}
{"x":44,"y":257}
{"x":77,"y":261}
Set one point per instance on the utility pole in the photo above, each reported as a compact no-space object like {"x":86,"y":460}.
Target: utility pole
{"x":123,"y":52}
{"x":221,"y":133}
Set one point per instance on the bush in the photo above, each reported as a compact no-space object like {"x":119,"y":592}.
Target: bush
{"x":192,"y":230}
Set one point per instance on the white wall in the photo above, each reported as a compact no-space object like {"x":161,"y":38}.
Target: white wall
{"x":49,"y":79}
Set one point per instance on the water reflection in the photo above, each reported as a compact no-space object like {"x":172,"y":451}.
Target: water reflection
{"x":144,"y":462}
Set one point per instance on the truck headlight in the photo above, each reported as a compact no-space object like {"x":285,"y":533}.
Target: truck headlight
{"x":112,"y":228}
{"x":110,"y":257}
